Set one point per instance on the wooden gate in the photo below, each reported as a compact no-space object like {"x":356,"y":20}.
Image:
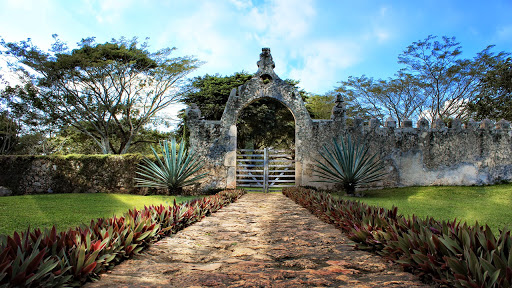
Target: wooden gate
{"x":264,"y":170}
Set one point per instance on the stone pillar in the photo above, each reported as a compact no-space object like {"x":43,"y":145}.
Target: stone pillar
{"x":230,"y":159}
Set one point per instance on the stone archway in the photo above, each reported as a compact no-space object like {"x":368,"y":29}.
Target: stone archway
{"x":216,"y":141}
{"x":265,"y":84}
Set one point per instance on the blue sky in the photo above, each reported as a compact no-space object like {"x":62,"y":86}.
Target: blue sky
{"x":318,"y":43}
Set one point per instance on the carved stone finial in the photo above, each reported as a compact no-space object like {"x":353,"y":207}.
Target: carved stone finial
{"x":374,"y":123}
{"x":266,"y":66}
{"x":266,"y":60}
{"x":438,"y":124}
{"x":503,"y":124}
{"x":486,"y":124}
{"x":422,"y":124}
{"x":338,"y":111}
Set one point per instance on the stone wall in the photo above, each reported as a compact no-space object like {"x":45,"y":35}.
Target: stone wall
{"x":428,"y":154}
{"x":473,"y":154}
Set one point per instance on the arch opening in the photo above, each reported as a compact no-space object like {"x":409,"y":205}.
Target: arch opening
{"x":266,"y":123}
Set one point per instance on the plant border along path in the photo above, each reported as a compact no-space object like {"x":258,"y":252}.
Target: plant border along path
{"x":262,"y":240}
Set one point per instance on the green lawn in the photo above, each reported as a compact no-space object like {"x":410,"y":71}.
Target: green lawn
{"x":491,"y":205}
{"x":69,"y":210}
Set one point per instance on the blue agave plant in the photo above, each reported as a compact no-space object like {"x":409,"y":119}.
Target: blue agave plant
{"x":349,"y":163}
{"x":174,"y":171}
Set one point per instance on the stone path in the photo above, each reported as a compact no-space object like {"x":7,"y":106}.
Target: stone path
{"x":262,"y":240}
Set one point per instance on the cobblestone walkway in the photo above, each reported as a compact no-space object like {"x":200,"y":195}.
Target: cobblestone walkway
{"x":262,"y":240}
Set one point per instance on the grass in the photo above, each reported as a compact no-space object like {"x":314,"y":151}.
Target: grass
{"x":69,"y":210}
{"x":491,"y":205}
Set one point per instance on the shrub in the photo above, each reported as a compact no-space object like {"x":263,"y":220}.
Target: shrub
{"x":49,"y":258}
{"x":173,"y":172}
{"x":349,"y":164}
{"x":448,"y":253}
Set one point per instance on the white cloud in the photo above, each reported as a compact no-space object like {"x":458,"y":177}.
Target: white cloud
{"x":323,"y":61}
{"x":282,"y":19}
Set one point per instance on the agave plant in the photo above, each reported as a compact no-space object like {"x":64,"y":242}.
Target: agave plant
{"x":175,"y":171}
{"x":349,"y":164}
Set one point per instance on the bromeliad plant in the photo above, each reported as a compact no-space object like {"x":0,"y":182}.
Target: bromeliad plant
{"x":70,"y":258}
{"x":175,"y":171}
{"x":349,"y":164}
{"x":449,"y":253}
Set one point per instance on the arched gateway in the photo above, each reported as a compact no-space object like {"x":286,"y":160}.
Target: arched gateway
{"x":216,"y":141}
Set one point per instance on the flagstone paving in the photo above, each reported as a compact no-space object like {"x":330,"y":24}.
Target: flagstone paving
{"x":262,"y":240}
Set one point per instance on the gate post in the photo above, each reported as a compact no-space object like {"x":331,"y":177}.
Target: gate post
{"x":265,"y":170}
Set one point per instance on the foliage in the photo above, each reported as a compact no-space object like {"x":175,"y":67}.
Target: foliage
{"x":9,"y":131}
{"x":49,"y":258}
{"x":434,"y":83}
{"x":266,"y":123}
{"x":398,"y":98}
{"x":349,"y":164}
{"x":210,"y":92}
{"x":108,"y":92}
{"x":320,"y":107}
{"x":495,"y":95}
{"x":174,"y":172}
{"x":449,"y":253}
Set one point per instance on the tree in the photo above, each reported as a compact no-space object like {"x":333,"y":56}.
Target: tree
{"x":398,"y":97}
{"x":435,"y":82}
{"x":446,"y":80}
{"x":494,"y":100}
{"x":266,"y":123}
{"x":108,"y":92}
{"x":320,"y":106}
{"x":9,"y":133}
{"x":211,"y":92}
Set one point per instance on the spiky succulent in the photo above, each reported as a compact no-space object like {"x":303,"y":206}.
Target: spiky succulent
{"x":174,"y":171}
{"x":349,"y":164}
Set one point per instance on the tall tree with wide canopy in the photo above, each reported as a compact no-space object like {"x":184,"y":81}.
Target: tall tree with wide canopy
{"x":108,"y":91}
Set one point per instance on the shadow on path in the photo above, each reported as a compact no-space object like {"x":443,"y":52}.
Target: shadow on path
{"x":262,"y":240}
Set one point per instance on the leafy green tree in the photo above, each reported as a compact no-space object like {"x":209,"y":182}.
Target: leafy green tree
{"x":494,"y":100}
{"x":398,"y":97}
{"x":9,"y":133}
{"x":108,"y":92}
{"x":435,"y":82}
{"x":320,"y":106}
{"x":266,"y":123}
{"x":211,"y":92}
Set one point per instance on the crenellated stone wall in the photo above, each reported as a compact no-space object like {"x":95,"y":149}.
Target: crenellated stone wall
{"x":476,"y":153}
